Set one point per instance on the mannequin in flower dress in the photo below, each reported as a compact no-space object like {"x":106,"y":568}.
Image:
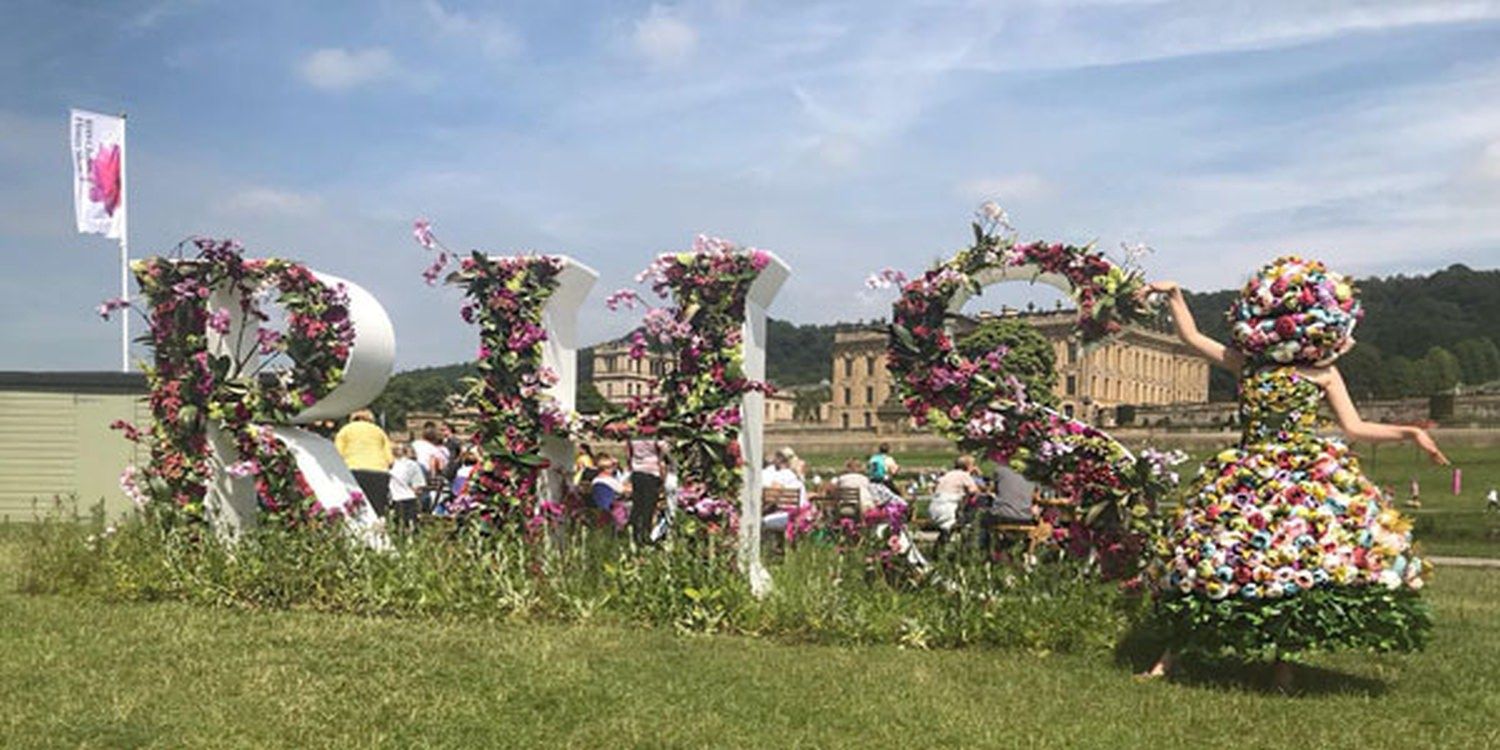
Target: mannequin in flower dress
{"x":1282,"y":545}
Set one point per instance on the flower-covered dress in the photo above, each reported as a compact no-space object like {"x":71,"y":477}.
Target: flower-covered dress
{"x":1282,"y":545}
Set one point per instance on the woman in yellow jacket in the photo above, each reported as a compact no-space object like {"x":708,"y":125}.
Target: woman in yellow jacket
{"x":367,"y":451}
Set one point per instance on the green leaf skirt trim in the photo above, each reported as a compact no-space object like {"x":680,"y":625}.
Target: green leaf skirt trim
{"x":1324,"y":619}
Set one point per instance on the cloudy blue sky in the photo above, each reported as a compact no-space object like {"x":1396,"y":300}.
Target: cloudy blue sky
{"x":846,"y":136}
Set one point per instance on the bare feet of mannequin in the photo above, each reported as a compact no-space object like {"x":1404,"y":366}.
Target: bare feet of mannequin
{"x":1160,"y":669}
{"x":1281,"y":676}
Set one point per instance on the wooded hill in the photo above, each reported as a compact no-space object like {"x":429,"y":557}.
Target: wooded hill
{"x":1420,"y":335}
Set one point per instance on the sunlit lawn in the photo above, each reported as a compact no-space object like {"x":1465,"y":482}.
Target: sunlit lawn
{"x":77,"y":672}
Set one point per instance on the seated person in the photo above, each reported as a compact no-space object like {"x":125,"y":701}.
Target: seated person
{"x":780,"y":474}
{"x":854,"y":478}
{"x":1015,"y":497}
{"x":1011,"y":501}
{"x":881,"y":495}
{"x":584,"y":469}
{"x":469,"y":462}
{"x":609,"y":490}
{"x":952,"y":489}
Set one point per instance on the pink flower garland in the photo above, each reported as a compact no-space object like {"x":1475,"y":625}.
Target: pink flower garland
{"x":975,"y":402}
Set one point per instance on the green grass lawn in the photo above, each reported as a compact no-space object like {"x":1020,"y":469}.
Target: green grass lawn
{"x":1447,"y":524}
{"x":80,"y":672}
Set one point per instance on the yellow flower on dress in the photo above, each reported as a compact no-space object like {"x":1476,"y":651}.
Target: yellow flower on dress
{"x":1391,"y":519}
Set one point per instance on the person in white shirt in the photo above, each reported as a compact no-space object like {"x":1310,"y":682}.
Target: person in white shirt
{"x":781,"y":475}
{"x":1492,"y":500}
{"x":854,"y":478}
{"x":408,"y":484}
{"x":429,"y":452}
{"x":952,"y":488}
{"x":468,"y":462}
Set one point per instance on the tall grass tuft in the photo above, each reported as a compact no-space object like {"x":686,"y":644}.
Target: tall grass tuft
{"x":822,"y":594}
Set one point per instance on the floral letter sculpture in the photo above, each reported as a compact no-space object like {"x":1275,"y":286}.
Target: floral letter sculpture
{"x":222,"y":450}
{"x":709,"y":405}
{"x":526,"y":308}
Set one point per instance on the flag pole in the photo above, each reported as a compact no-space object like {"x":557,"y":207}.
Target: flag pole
{"x":124,"y":294}
{"x":124,"y":257}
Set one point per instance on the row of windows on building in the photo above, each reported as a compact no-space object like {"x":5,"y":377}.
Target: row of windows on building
{"x":869,"y":365}
{"x":1145,"y":364}
{"x":1115,"y":360}
{"x":618,"y":363}
{"x":869,"y":418}
{"x":849,"y":396}
{"x":1103,"y":388}
{"x":628,"y":388}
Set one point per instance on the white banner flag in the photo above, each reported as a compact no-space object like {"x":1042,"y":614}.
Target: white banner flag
{"x":99,"y":172}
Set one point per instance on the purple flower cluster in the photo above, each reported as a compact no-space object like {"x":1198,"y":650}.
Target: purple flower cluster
{"x":506,"y":298}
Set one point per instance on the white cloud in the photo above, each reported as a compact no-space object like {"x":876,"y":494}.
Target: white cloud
{"x":1488,"y":164}
{"x":1027,"y":35}
{"x":495,"y":37}
{"x":838,"y":150}
{"x":663,"y":39}
{"x":153,"y":14}
{"x":1004,"y":188}
{"x":856,"y":118}
{"x":336,"y":68}
{"x":264,"y":201}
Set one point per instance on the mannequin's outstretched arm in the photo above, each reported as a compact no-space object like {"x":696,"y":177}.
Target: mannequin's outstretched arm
{"x":1187,"y":328}
{"x":1356,"y":428}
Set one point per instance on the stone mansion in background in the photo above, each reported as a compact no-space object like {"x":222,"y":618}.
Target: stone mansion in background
{"x":1143,"y":366}
{"x":620,"y":378}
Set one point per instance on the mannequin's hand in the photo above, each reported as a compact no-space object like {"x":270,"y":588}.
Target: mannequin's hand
{"x":1429,"y":446}
{"x":1157,"y":287}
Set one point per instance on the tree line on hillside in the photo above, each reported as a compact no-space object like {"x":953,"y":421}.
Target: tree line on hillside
{"x":1421,"y":335}
{"x":426,"y":389}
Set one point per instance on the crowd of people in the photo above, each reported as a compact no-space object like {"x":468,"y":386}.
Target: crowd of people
{"x":404,"y":480}
{"x":961,"y":497}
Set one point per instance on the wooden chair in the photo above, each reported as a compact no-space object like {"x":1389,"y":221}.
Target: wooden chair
{"x":825,"y":502}
{"x":1036,"y":532}
{"x":772,"y":498}
{"x":845,"y":503}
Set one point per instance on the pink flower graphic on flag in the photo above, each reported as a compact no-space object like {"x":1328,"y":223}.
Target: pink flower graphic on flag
{"x":104,"y":176}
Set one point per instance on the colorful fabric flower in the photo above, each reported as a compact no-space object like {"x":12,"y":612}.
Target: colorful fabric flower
{"x":1295,"y":311}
